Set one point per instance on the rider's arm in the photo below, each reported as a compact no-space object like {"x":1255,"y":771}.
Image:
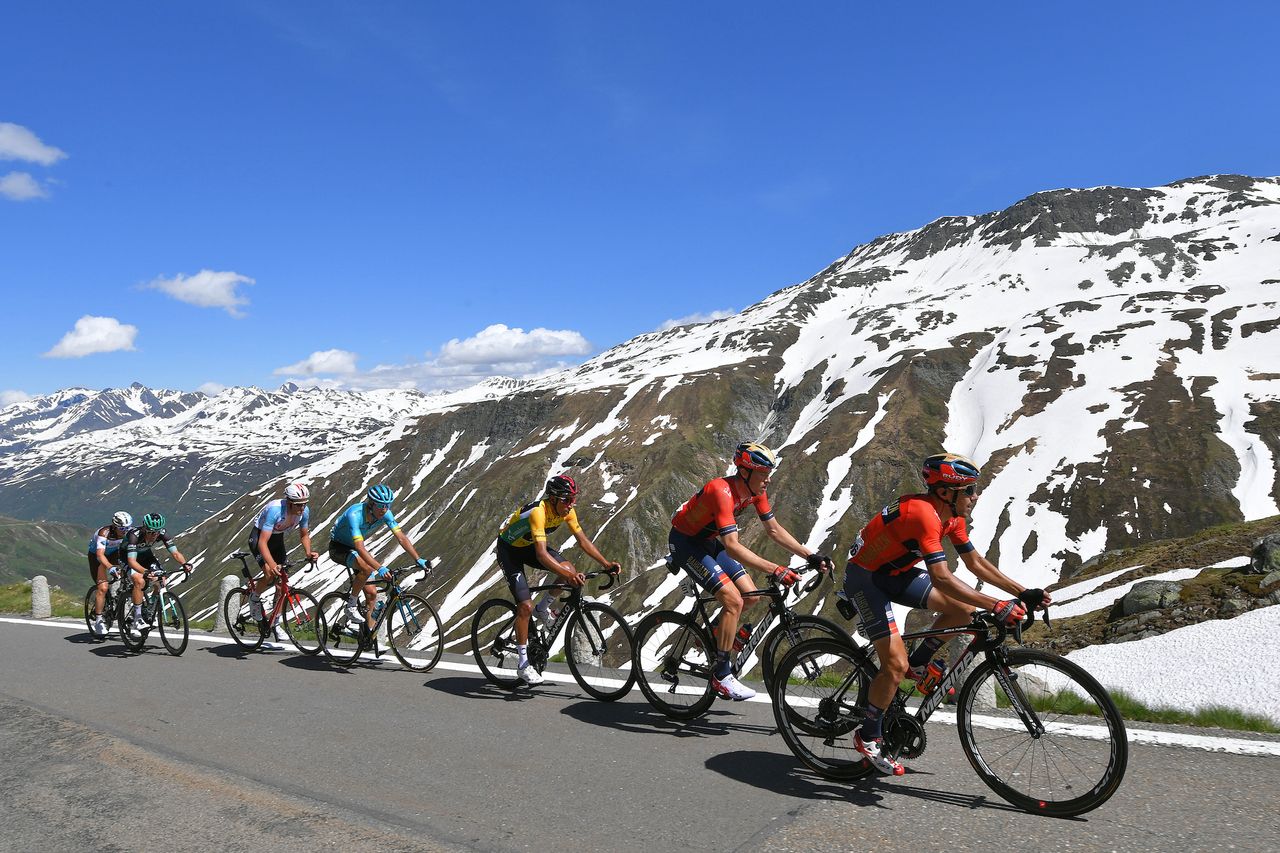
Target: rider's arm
{"x":745,"y":555}
{"x":952,"y":587}
{"x":986,"y":570}
{"x":589,"y":548}
{"x":549,"y":562}
{"x":305,"y":535}
{"x":405,"y":543}
{"x":783,"y":537}
{"x":102,"y":557}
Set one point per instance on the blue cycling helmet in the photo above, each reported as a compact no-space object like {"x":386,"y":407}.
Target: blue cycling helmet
{"x":153,"y":521}
{"x":380,"y":494}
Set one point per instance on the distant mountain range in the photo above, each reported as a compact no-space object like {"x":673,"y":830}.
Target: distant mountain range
{"x":1108,"y":354}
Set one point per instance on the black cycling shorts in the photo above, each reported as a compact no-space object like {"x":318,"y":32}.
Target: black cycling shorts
{"x":514,"y":561}
{"x":275,"y":545}
{"x":343,"y":555}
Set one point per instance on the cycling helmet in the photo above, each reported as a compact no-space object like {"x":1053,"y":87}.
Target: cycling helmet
{"x":380,"y":494}
{"x":153,"y":521}
{"x":122,"y":520}
{"x":296,"y":493}
{"x":754,"y":457}
{"x":562,"y":487}
{"x":950,"y":470}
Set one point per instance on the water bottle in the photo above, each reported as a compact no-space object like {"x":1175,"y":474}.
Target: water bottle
{"x":932,"y":674}
{"x":744,"y":633}
{"x":377,"y":609}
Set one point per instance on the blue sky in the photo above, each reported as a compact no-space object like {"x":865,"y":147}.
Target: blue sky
{"x":424,"y":193}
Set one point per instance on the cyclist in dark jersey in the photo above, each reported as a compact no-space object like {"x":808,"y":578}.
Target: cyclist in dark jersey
{"x":882,"y":570}
{"x":522,"y":543}
{"x":138,"y":555}
{"x":104,"y":553}
{"x":704,"y":543}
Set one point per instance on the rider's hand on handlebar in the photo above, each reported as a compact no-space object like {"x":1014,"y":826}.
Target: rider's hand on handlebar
{"x":573,"y":577}
{"x":382,"y":573}
{"x":424,"y":564}
{"x":614,"y":569}
{"x":188,"y":568}
{"x":1035,"y":599}
{"x":820,"y":562}
{"x":1010,"y":612}
{"x":785,"y":576}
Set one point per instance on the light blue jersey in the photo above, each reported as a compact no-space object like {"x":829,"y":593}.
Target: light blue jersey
{"x":275,"y":517}
{"x":351,"y":525}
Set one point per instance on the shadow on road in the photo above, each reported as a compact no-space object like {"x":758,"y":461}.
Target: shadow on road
{"x":782,"y":774}
{"x":642,"y":718}
{"x":84,"y":639}
{"x":229,"y":650}
{"x":480,"y":688}
{"x":313,"y":663}
{"x":114,"y":650}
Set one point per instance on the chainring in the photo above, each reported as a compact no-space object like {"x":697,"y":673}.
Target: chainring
{"x":904,"y":736}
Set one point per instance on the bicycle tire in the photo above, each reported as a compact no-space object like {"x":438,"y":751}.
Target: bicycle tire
{"x":89,"y":601}
{"x":493,"y":641}
{"x":813,"y":709}
{"x":1062,"y":694}
{"x":598,"y":647}
{"x":341,"y":646}
{"x":124,"y":619}
{"x":300,"y":617}
{"x":414,"y":632}
{"x":244,"y":629}
{"x":783,"y":639}
{"x":171,"y":619}
{"x":672,"y":661}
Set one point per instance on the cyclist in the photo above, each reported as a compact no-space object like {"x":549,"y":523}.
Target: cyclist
{"x":882,"y":569}
{"x":139,"y":556}
{"x":522,"y":543}
{"x":104,"y":549}
{"x":266,"y":541}
{"x":347,"y":548}
{"x":704,"y":543}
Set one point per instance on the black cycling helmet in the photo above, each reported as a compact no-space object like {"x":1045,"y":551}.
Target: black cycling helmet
{"x":562,"y":487}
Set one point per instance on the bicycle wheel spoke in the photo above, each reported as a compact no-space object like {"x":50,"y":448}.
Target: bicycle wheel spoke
{"x":414,"y":633}
{"x":818,"y":694}
{"x":493,"y":641}
{"x":598,"y":648}
{"x":300,"y":617}
{"x":673,"y":660}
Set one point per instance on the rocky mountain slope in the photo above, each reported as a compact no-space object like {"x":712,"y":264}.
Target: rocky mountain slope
{"x":1107,"y":353}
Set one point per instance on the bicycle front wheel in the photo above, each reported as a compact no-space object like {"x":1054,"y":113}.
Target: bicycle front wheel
{"x":90,"y":601}
{"x":300,"y":616}
{"x":172,"y":619}
{"x":414,"y":632}
{"x":1042,"y":733}
{"x":341,"y":636}
{"x":786,"y":637}
{"x":493,"y":641}
{"x":598,"y":649}
{"x":673,"y":660}
{"x":819,"y":698}
{"x":243,"y":628}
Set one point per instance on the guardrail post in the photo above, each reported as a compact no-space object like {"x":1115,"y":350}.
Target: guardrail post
{"x":40,"y":608}
{"x":229,"y":582}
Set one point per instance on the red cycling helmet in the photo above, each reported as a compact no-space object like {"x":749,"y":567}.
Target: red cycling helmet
{"x":754,"y":457}
{"x":949,"y":469}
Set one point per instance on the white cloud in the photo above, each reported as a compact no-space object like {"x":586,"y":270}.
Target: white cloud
{"x":8,"y":398}
{"x":92,"y":335}
{"x":697,"y":318}
{"x":497,"y":344}
{"x":206,"y":289}
{"x":18,"y":143}
{"x":213,"y":389}
{"x":19,"y":186}
{"x":327,"y":361}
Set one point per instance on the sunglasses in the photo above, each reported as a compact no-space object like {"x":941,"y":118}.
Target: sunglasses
{"x":971,"y":491}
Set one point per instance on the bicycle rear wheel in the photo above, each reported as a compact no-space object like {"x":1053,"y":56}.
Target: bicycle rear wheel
{"x":90,"y":601}
{"x":341,"y":637}
{"x":124,"y":618}
{"x":414,"y":632}
{"x":300,"y":617}
{"x":172,"y":619}
{"x":819,"y":697}
{"x":493,"y":641}
{"x":1042,"y":733}
{"x":599,"y":651}
{"x":243,"y":628}
{"x":673,"y":660}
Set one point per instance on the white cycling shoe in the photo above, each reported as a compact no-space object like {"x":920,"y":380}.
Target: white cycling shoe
{"x":529,"y":675}
{"x":871,"y":751}
{"x":731,"y":688}
{"x":99,"y":626}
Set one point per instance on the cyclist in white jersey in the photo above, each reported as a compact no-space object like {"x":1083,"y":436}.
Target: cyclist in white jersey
{"x":104,"y":552}
{"x":266,"y":542}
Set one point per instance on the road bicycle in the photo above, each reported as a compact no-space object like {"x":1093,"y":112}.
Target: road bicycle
{"x":160,"y":609}
{"x":675,"y":652}
{"x":110,"y":602}
{"x":402,"y":620}
{"x":597,"y":644}
{"x":293,"y":609}
{"x":1038,"y":729}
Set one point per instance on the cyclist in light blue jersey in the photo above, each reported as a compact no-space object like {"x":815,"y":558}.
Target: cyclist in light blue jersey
{"x":266,"y":541}
{"x":347,"y":548}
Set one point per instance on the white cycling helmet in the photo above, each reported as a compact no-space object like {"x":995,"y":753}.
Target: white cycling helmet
{"x":122,"y":520}
{"x":296,"y":493}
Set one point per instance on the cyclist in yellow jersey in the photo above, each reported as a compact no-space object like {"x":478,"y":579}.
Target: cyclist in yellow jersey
{"x":522,"y":544}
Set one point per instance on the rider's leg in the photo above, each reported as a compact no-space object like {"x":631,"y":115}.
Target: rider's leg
{"x":98,"y":573}
{"x":951,"y":614}
{"x":361,"y":569}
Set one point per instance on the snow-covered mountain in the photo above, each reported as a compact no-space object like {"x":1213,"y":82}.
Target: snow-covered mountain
{"x":1107,"y":354}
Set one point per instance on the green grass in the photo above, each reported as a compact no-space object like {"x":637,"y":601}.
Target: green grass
{"x":1213,"y":716}
{"x":16,"y":598}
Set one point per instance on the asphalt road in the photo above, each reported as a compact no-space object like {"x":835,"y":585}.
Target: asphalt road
{"x":107,"y":751}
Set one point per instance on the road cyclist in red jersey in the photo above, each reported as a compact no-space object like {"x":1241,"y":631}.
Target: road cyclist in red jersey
{"x":522,"y":543}
{"x":883,"y":570}
{"x":704,"y":544}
